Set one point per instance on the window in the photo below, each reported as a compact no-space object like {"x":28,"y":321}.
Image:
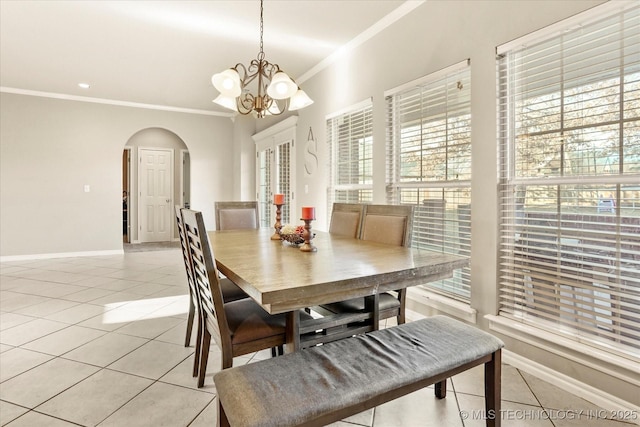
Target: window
{"x":569,"y":125}
{"x":429,"y":164}
{"x":351,"y":152}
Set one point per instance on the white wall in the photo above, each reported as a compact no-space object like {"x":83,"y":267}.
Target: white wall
{"x":51,"y":148}
{"x":436,"y":35}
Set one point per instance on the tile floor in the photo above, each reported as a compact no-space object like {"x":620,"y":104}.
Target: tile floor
{"x":98,"y":341}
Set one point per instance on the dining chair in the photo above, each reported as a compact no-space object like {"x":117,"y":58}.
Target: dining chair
{"x":230,"y":291}
{"x":238,"y":327}
{"x":391,"y":225}
{"x":346,"y":219}
{"x":236,"y":215}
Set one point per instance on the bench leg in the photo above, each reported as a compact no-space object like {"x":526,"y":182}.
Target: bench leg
{"x":441,"y":389}
{"x":492,"y":387}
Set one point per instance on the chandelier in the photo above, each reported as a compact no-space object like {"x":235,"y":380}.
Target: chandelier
{"x":276,"y":91}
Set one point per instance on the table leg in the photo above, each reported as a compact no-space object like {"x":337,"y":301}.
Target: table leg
{"x":292,"y":332}
{"x":372,"y":305}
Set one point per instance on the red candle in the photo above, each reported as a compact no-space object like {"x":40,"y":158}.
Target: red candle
{"x":308,"y":212}
{"x":278,"y":199}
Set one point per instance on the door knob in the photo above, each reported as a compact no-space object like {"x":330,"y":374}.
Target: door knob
{"x":168,"y":200}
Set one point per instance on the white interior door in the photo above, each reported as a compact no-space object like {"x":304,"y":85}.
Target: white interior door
{"x":156,"y":194}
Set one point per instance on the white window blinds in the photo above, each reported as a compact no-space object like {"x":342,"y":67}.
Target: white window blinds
{"x":350,"y":137}
{"x":429,"y":164}
{"x":569,"y":126}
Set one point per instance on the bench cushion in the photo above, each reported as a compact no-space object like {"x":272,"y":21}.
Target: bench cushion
{"x":308,"y":384}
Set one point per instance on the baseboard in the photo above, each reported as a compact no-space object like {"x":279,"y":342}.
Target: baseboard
{"x":9,"y":258}
{"x":569,"y":384}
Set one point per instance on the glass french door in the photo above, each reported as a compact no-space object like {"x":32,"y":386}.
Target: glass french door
{"x":275,"y":175}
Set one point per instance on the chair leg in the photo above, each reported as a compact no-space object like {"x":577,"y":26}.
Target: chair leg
{"x":492,"y":389}
{"x":192,"y":311}
{"x":223,"y":421}
{"x":402,"y":296}
{"x":204,"y":356}
{"x":196,"y":356}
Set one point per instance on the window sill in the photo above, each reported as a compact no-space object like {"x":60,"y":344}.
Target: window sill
{"x":442,"y":304}
{"x":615,"y":365}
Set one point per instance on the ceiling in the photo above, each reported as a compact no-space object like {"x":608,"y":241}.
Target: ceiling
{"x":163,"y":53}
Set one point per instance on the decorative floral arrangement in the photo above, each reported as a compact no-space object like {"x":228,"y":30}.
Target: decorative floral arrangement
{"x":292,"y":233}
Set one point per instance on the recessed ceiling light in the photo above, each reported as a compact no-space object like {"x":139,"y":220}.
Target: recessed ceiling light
{"x":84,"y":85}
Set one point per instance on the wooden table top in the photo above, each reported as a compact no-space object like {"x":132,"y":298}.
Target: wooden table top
{"x":281,"y":278}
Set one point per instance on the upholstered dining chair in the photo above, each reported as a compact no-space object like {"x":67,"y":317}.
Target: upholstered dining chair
{"x":346,"y":219}
{"x":391,"y":225}
{"x":236,"y":215}
{"x":230,"y":291}
{"x":238,"y":327}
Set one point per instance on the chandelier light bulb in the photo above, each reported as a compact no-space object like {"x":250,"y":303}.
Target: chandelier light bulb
{"x":281,"y":86}
{"x":228,"y":102}
{"x":227,"y":82}
{"x":299,"y":100}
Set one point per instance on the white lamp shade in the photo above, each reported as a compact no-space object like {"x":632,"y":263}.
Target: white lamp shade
{"x":281,"y":86}
{"x":299,"y":100}
{"x":226,"y":102}
{"x":227,"y":82}
{"x":273,"y":109}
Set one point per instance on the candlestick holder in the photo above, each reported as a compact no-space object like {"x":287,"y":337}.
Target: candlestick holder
{"x":307,"y":246}
{"x":277,"y":225}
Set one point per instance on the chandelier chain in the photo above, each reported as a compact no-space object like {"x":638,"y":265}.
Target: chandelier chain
{"x":261,"y":30}
{"x":275,"y":89}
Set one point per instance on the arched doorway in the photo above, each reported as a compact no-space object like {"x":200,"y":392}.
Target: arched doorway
{"x":155,"y":177}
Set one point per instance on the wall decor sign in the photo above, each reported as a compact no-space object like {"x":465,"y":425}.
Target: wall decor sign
{"x":311,"y":154}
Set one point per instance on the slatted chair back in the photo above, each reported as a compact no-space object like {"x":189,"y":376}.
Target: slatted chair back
{"x":206,"y":278}
{"x":193,"y":292}
{"x":185,"y":253}
{"x":389,"y":224}
{"x":236,"y":215}
{"x":346,"y":219}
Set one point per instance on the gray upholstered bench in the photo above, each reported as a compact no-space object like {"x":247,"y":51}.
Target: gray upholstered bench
{"x":328,"y":383}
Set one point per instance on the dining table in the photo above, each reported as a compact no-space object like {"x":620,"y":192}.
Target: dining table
{"x":283,"y":279}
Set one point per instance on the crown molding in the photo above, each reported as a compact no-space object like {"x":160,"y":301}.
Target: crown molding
{"x":67,"y":97}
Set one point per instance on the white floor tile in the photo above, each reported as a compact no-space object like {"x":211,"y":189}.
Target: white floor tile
{"x":106,"y":349}
{"x":44,"y":381}
{"x":18,"y":360}
{"x":77,"y":313}
{"x":64,"y":340}
{"x":420,"y":408}
{"x":35,"y":419}
{"x":179,"y":406}
{"x":9,"y":412}
{"x":149,"y":327}
{"x":101,"y":395}
{"x":45,"y":308}
{"x":152,"y":360}
{"x":29,"y":331}
{"x":9,"y":320}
